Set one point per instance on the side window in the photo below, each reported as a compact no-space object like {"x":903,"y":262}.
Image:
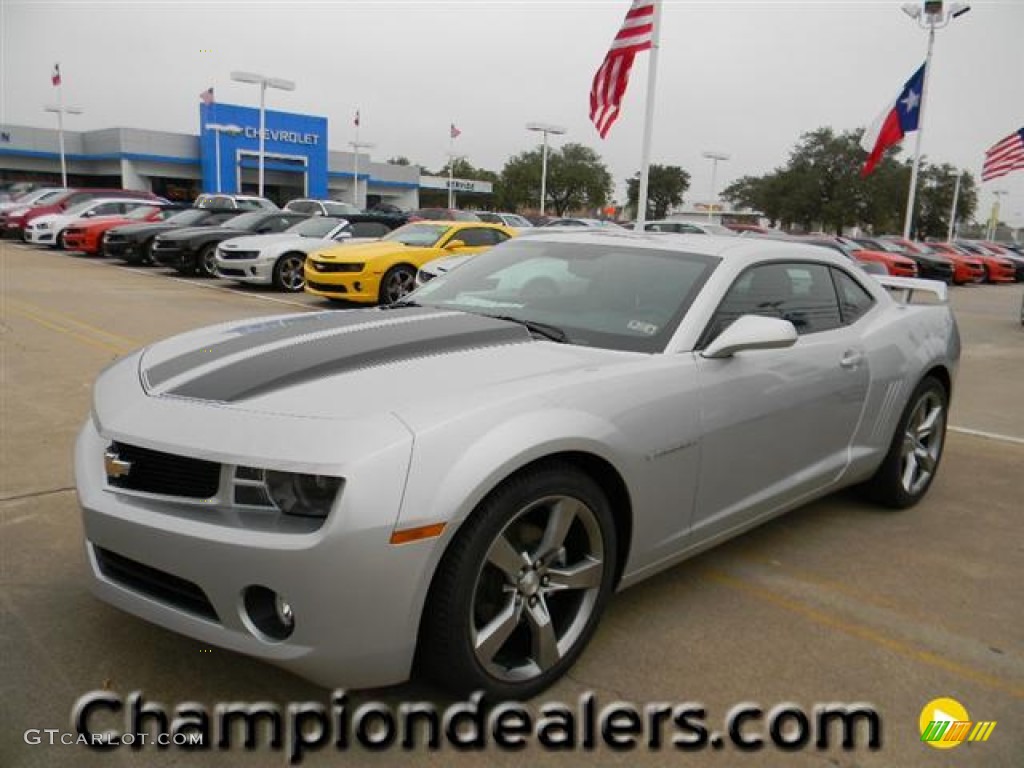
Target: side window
{"x":368,"y":229}
{"x":689,"y":229}
{"x":475,"y":237}
{"x":303,"y":206}
{"x":105,"y":209}
{"x":798,"y":292}
{"x":854,"y":300}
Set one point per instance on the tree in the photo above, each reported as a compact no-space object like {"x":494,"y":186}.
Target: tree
{"x":462,"y":169}
{"x":399,"y":160}
{"x":936,"y":184}
{"x":666,"y":185}
{"x":577,"y":178}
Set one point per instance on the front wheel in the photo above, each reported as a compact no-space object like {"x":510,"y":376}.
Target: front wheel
{"x":397,"y":283}
{"x":206,"y":263}
{"x":522,"y":586}
{"x":909,"y":467}
{"x":289,"y":273}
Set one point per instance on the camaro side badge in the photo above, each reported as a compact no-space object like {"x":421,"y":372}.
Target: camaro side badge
{"x":115,"y":465}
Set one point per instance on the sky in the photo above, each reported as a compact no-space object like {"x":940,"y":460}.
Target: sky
{"x":745,"y":78}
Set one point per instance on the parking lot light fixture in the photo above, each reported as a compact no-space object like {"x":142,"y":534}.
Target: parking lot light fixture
{"x":932,"y":15}
{"x":263,"y":82}
{"x":219,"y":128}
{"x":714,"y":157}
{"x":546,"y":129}
{"x":60,"y":111}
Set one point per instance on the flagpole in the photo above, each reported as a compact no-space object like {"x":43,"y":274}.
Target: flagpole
{"x":451,"y":168}
{"x":912,"y":193}
{"x":952,"y":213}
{"x":355,"y":164}
{"x":60,"y":129}
{"x":645,"y":152}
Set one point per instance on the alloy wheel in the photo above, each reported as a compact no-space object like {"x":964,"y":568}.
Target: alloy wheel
{"x":922,"y":443}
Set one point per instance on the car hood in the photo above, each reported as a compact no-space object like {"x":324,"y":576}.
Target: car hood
{"x":145,"y":229}
{"x":414,"y":362}
{"x":187,"y":233}
{"x":365,"y":251}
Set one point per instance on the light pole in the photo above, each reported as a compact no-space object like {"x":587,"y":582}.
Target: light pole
{"x":356,"y":146}
{"x":554,"y":130}
{"x":993,"y":220}
{"x":931,"y":15}
{"x":219,"y":128}
{"x":61,"y":110}
{"x":263,"y":82}
{"x":952,"y":212}
{"x":452,"y":157}
{"x":714,"y":157}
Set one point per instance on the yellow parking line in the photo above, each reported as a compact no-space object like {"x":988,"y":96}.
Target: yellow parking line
{"x":99,"y":344}
{"x":919,"y":655}
{"x":61,"y":317}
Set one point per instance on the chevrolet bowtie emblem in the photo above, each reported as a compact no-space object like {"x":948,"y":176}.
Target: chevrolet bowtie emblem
{"x":115,"y":465}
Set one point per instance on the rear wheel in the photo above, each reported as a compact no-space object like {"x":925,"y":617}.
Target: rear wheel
{"x":396,"y":283}
{"x":206,"y":263}
{"x":913,"y":459}
{"x":522,"y":586}
{"x":289,"y":273}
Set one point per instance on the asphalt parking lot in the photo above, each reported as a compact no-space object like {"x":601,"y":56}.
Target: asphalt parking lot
{"x":837,"y":601}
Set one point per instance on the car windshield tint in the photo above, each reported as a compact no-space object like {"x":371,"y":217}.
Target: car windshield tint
{"x":614,"y":297}
{"x":340,"y":209}
{"x":418,"y":235}
{"x":188,"y":217}
{"x":316,"y":227}
{"x":246,"y":220}
{"x":139,"y":214}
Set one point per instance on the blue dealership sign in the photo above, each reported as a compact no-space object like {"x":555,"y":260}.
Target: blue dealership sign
{"x":295,"y":143}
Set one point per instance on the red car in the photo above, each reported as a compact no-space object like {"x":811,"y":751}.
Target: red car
{"x":994,"y":269}
{"x":15,"y":224}
{"x":87,"y":236}
{"x":966,"y":267}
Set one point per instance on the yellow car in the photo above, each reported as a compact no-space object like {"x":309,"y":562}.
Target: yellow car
{"x":384,"y":271}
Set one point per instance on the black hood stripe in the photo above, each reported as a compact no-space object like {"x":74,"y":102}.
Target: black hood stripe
{"x":331,"y":355}
{"x":255,"y":335}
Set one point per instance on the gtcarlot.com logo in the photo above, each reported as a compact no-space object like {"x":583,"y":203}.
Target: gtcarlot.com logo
{"x":945,"y":724}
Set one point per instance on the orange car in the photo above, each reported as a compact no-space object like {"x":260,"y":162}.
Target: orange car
{"x":967,"y":268}
{"x":898,"y":266}
{"x":995,"y":269}
{"x":87,"y":236}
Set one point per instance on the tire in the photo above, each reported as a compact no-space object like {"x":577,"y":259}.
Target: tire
{"x":206,"y":261}
{"x":914,"y":455}
{"x":59,"y":242}
{"x":519,"y":574}
{"x":289,"y":273}
{"x":396,"y":283}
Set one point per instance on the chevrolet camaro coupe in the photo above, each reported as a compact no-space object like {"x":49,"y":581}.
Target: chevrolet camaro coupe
{"x":454,"y":485}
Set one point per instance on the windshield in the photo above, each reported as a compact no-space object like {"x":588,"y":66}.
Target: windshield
{"x":610,"y":296}
{"x":139,"y":214}
{"x":339,"y":209}
{"x":249,"y":220}
{"x":188,"y":217}
{"x":418,"y":235}
{"x":320,"y":226}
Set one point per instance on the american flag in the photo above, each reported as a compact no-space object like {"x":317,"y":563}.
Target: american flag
{"x":207,"y":96}
{"x":55,"y":77}
{"x":610,"y":82}
{"x":1004,"y":156}
{"x":455,"y":132}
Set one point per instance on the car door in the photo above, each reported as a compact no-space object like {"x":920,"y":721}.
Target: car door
{"x":777,"y":424}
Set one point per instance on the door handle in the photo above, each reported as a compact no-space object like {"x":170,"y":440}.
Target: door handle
{"x":851,"y":359}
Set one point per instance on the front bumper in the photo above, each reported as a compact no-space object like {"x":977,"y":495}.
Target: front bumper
{"x":964,"y":272}
{"x":362,"y":287}
{"x":172,"y":255}
{"x":81,"y":242}
{"x":40,"y":236}
{"x":356,"y":599}
{"x":251,"y":271}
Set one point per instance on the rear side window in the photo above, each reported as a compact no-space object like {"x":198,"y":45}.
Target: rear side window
{"x":801,"y":293}
{"x":369,"y":229}
{"x":854,"y":300}
{"x":303,"y":206}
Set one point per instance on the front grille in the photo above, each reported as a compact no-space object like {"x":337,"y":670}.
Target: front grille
{"x":228,"y":272}
{"x":326,"y":287}
{"x":326,"y":267}
{"x":165,"y":473}
{"x":238,"y":254}
{"x":151,"y":582}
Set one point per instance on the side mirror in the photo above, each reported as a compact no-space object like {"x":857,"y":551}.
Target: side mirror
{"x":752,"y":332}
{"x":453,"y":244}
{"x":88,"y":215}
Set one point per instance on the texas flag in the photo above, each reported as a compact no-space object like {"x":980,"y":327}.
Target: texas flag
{"x":899,"y":118}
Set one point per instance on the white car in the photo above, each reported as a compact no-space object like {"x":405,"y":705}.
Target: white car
{"x":280,"y":259}
{"x":688,"y":227}
{"x":236,"y":202}
{"x":508,"y":219}
{"x":49,"y":229}
{"x":321,"y":207}
{"x":26,"y":201}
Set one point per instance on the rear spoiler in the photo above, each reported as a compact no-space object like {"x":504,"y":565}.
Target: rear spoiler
{"x":907,"y":286}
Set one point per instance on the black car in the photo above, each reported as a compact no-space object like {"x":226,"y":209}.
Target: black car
{"x":132,"y":243}
{"x":194,"y":249}
{"x":930,"y":266}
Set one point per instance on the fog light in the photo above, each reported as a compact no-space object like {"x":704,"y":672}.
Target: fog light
{"x":252,"y":271}
{"x":268,"y":613}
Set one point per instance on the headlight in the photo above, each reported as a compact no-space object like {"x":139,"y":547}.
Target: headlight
{"x":43,"y":225}
{"x":307,"y":495}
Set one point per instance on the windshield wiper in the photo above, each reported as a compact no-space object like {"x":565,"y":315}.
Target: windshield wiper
{"x":551,"y":332}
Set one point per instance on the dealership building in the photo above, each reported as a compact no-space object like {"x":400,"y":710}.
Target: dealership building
{"x":223,"y":157}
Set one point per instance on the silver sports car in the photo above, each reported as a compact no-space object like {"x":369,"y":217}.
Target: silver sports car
{"x":457,"y":483}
